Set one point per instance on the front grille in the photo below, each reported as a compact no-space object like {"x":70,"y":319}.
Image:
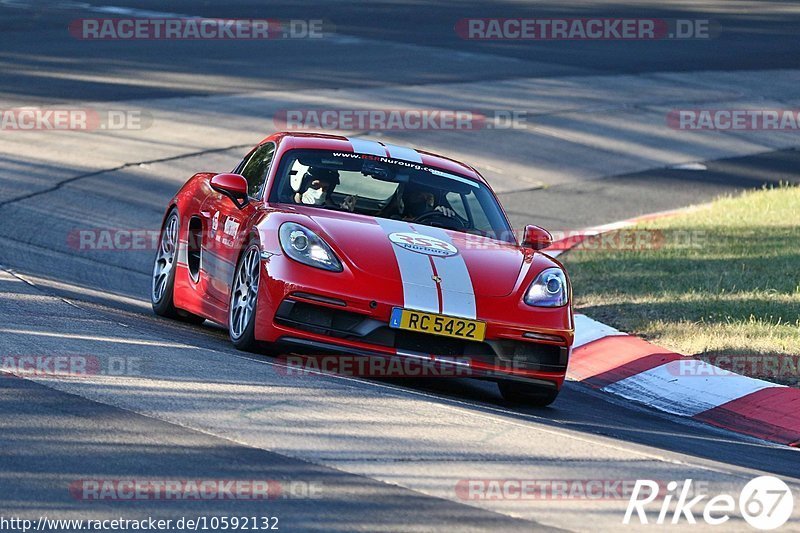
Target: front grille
{"x":439,"y":345}
{"x":343,"y":324}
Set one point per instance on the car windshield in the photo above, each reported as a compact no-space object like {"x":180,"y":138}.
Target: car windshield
{"x":389,"y":188}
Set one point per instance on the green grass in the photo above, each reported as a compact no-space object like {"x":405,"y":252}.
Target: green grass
{"x":725,"y":281}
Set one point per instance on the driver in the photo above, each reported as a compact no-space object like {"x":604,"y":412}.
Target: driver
{"x":418,"y":200}
{"x":316,"y":186}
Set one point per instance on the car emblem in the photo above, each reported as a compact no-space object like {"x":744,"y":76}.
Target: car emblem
{"x":423,"y":244}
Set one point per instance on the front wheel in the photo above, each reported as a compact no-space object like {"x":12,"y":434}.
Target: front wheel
{"x":244,"y":297}
{"x":526,"y":394}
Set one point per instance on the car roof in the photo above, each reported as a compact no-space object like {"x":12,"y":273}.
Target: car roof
{"x":324,"y":141}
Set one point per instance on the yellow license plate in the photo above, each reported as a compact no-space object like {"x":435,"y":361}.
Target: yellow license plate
{"x":449,"y":326}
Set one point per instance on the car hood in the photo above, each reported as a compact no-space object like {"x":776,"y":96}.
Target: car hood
{"x":417,"y":254}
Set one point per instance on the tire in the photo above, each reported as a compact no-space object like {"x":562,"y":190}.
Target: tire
{"x":244,"y":299}
{"x":525,"y":394}
{"x":162,"y":285}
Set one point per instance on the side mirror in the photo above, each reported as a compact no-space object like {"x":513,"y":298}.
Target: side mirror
{"x":536,"y":238}
{"x":234,"y":186}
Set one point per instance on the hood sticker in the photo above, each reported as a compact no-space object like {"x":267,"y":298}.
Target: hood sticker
{"x":423,"y":244}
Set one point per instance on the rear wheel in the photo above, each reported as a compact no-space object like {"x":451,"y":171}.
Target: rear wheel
{"x":244,"y":297}
{"x":526,"y":394}
{"x":163,"y":282}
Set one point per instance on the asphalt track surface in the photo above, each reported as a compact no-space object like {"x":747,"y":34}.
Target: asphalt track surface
{"x":388,"y":455}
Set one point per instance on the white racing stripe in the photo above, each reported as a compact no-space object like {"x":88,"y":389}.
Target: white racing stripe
{"x":419,"y":290}
{"x":365,"y":146}
{"x":458,"y":295}
{"x":404,"y":153}
{"x":416,"y":274}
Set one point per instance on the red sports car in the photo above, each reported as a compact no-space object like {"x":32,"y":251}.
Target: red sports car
{"x":332,"y":244}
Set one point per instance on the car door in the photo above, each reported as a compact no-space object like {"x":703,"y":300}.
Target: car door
{"x":227,"y":224}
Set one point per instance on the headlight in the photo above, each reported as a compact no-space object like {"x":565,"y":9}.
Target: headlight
{"x":549,"y":289}
{"x":304,"y":246}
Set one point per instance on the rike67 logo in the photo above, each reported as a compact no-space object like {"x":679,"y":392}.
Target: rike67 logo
{"x":765,"y":503}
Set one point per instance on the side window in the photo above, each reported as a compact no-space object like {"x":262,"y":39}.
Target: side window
{"x":243,"y":162}
{"x":256,"y":169}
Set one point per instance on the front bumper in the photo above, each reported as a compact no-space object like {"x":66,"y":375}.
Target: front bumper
{"x":303,"y":315}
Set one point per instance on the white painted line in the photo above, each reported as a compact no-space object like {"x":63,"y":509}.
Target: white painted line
{"x":80,"y":289}
{"x":686,"y":388}
{"x":588,"y":330}
{"x":6,"y":276}
{"x":136,"y":13}
{"x":689,"y":166}
{"x":613,"y":226}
